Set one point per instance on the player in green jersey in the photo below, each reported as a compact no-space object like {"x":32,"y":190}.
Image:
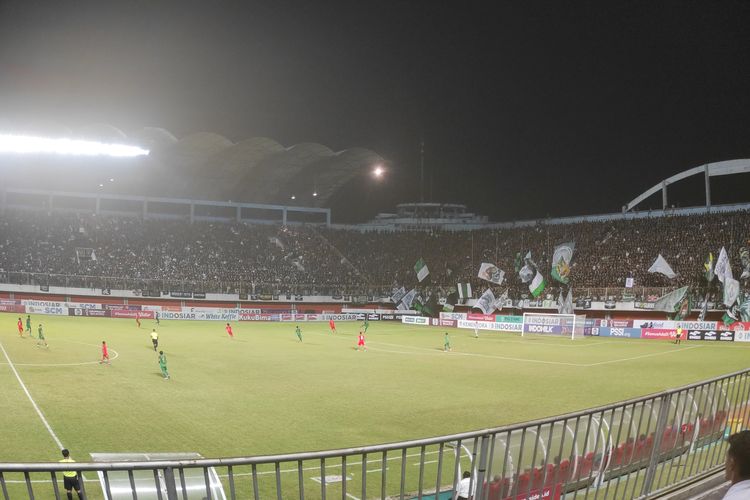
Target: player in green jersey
{"x":446,"y":343}
{"x":163,"y":365}
{"x":41,"y":340}
{"x":299,"y":333}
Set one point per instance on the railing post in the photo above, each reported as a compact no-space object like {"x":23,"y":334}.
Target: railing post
{"x":661,"y":422}
{"x":482,"y":466}
{"x":169,"y":483}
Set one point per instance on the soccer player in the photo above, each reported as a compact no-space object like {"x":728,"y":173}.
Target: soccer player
{"x":299,"y":333}
{"x":332,"y":325}
{"x":70,"y":478}
{"x":156,"y":317}
{"x":105,"y":354}
{"x":20,"y":327}
{"x":138,"y":319}
{"x":228,"y":328}
{"x":678,"y":335}
{"x":447,"y":343}
{"x":361,"y":341}
{"x":476,"y":332}
{"x":28,"y":324}
{"x":366,"y":324}
{"x":41,"y":339}
{"x":154,"y":339}
{"x":163,"y":365}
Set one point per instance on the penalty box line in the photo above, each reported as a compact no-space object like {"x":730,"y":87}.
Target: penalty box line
{"x":33,"y":403}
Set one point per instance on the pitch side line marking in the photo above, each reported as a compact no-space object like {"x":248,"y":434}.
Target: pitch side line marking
{"x":33,"y":403}
{"x":644,"y":356}
{"x":116,"y":355}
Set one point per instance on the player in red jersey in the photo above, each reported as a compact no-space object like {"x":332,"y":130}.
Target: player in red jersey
{"x":361,"y":341}
{"x":229,"y":331}
{"x":105,"y":354}
{"x":20,"y":327}
{"x":332,"y":325}
{"x":138,"y":319}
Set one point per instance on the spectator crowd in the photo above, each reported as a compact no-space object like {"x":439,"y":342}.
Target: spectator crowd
{"x":303,"y":259}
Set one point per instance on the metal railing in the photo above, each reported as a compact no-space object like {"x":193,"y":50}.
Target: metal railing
{"x":631,"y":449}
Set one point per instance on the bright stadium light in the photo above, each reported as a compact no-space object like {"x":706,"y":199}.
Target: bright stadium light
{"x":378,"y":172}
{"x":293,"y":197}
{"x":24,"y":144}
{"x":315,"y":194}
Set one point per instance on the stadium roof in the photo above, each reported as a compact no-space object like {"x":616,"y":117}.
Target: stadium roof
{"x":207,"y":165}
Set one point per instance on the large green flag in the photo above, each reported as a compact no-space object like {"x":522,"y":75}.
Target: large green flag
{"x":670,"y":302}
{"x":536,"y":287}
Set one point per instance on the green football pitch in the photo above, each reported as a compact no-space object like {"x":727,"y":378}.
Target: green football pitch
{"x":265,"y":392}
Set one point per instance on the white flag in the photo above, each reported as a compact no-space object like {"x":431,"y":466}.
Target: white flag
{"x":500,"y":301}
{"x":486,"y":302}
{"x":669,"y":302}
{"x":661,"y":266}
{"x":568,"y":305}
{"x":722,"y":269}
{"x":409,"y":298}
{"x":731,"y":291}
{"x":490,"y":272}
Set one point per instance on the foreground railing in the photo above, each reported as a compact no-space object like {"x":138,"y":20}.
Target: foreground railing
{"x":631,"y":449}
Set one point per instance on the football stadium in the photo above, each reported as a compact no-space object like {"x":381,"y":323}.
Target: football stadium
{"x":193,"y":314}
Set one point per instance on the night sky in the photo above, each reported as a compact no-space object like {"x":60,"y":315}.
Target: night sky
{"x":526,"y":109}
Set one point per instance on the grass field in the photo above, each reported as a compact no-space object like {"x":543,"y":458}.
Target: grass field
{"x":265,"y":392}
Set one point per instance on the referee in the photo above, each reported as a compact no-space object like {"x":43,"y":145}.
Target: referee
{"x":70,"y":478}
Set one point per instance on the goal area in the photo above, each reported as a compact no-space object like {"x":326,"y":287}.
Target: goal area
{"x":565,"y":325}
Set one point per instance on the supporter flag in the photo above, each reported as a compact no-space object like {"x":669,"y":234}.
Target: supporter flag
{"x":490,"y":272}
{"x":730,"y":316}
{"x":518,"y":264}
{"x":486,"y":302}
{"x":536,"y":287}
{"x":464,"y":290}
{"x":731,"y":291}
{"x":560,"y":302}
{"x":568,"y":304}
{"x":398,"y":295}
{"x":722,"y":269}
{"x":526,"y":273}
{"x":704,"y":308}
{"x":661,"y":266}
{"x":670,"y":302}
{"x":409,"y":298}
{"x":421,"y":269}
{"x":500,"y":301}
{"x":744,"y":259}
{"x":450,"y":301}
{"x":744,"y":308}
{"x":709,"y":266}
{"x":683,"y":308}
{"x":561,"y":261}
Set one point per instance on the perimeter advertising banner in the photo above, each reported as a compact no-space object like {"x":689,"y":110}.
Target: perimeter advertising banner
{"x":12,"y":308}
{"x":658,"y":333}
{"x":489,"y":325}
{"x":49,"y":310}
{"x":415,"y":320}
{"x":125,"y":313}
{"x":217,"y":315}
{"x":92,"y":313}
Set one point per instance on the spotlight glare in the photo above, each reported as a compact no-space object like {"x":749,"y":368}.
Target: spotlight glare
{"x":378,"y":172}
{"x":294,"y":197}
{"x":24,"y":144}
{"x":315,"y":193}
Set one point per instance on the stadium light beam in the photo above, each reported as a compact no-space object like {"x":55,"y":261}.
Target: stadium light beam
{"x":24,"y":144}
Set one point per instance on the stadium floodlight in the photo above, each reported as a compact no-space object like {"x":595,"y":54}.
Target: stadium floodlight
{"x":293,"y":197}
{"x":378,"y":172}
{"x":25,"y":144}
{"x":315,"y":194}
